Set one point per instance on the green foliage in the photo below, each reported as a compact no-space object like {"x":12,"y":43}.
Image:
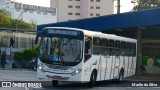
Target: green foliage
{"x":27,"y":54}
{"x":146,"y":4}
{"x":7,"y":22}
{"x":18,"y":56}
{"x":5,"y":13}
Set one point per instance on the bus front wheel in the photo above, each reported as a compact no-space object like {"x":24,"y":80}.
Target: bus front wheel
{"x":54,"y":82}
{"x":92,"y":79}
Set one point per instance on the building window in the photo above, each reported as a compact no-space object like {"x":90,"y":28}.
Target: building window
{"x":77,"y":0}
{"x":97,"y":14}
{"x":70,"y":14}
{"x":91,"y":7}
{"x":97,"y":7}
{"x":70,"y":6}
{"x":77,"y":14}
{"x":91,"y":14}
{"x":92,"y":0}
{"x":44,"y":13}
{"x":17,"y":10}
{"x":98,"y":0}
{"x":53,"y":14}
{"x":77,"y":6}
{"x":70,"y":0}
{"x":30,"y":11}
{"x":38,"y":12}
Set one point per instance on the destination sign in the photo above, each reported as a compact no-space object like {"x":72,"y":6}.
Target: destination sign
{"x":63,"y":32}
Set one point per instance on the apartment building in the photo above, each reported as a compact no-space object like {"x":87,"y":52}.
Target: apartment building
{"x":78,"y":9}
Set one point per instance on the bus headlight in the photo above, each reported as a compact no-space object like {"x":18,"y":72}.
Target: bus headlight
{"x":40,"y":67}
{"x":76,"y":72}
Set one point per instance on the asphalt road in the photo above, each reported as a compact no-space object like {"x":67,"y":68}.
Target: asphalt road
{"x":25,"y":75}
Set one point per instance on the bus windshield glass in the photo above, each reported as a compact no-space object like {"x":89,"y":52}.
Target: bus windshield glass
{"x":59,"y":46}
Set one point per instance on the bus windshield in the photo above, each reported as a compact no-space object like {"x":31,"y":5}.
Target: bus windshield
{"x":61,"y":49}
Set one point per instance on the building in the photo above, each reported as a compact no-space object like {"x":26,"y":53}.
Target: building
{"x":78,"y":9}
{"x":30,"y":13}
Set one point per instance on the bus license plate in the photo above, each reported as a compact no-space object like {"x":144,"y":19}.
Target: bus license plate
{"x":57,"y":77}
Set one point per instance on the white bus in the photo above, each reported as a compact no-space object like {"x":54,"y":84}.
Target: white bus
{"x":77,"y":55}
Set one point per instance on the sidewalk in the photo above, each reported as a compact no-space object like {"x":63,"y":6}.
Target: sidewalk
{"x":145,"y":77}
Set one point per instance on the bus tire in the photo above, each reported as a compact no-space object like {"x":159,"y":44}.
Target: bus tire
{"x":121,"y":76}
{"x":92,"y":79}
{"x":55,"y":82}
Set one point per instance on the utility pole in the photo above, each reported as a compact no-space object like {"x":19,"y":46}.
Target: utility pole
{"x":118,"y":6}
{"x":139,"y":51}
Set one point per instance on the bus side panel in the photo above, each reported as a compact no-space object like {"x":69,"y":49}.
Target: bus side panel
{"x":112,"y":67}
{"x":116,"y":66}
{"x":89,"y":66}
{"x":126,"y":66}
{"x":98,"y":59}
{"x":130,"y":64}
{"x":108,"y":67}
{"x":103,"y":67}
{"x":121,"y":63}
{"x":134,"y":65}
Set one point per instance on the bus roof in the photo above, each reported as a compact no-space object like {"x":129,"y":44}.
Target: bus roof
{"x":97,"y":34}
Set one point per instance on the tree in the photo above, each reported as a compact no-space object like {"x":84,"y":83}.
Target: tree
{"x":34,"y":26}
{"x":146,"y":4}
{"x":4,"y":16}
{"x":5,"y":13}
{"x":7,"y":22}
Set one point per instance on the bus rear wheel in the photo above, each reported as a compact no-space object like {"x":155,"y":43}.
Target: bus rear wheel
{"x":55,"y":82}
{"x":92,"y":79}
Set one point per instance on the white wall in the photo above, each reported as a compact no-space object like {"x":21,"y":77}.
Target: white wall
{"x":31,"y":16}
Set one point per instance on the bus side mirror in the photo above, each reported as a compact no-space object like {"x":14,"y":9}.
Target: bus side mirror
{"x":36,"y":40}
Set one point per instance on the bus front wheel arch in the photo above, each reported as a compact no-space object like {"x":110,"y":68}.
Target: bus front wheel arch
{"x":93,"y":78}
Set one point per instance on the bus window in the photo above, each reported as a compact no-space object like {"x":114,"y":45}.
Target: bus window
{"x":103,"y":42}
{"x":96,"y":41}
{"x":107,"y":43}
{"x":134,"y":49}
{"x":117,"y":44}
{"x":111,"y":43}
{"x":104,"y":48}
{"x":97,"y":46}
{"x":111,"y":47}
{"x":88,"y":47}
{"x":124,"y":45}
{"x":117,"y":48}
{"x":128,"y":49}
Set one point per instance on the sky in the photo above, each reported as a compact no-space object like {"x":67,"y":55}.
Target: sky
{"x":125,"y":4}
